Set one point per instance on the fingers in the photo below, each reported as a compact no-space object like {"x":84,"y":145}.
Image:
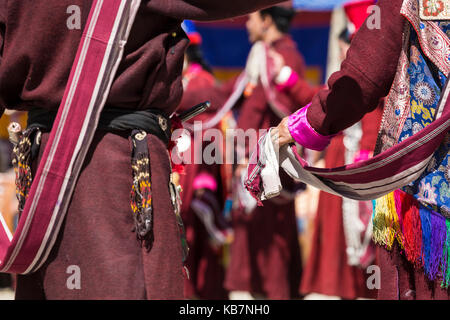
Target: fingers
{"x":281,"y":134}
{"x":275,"y":134}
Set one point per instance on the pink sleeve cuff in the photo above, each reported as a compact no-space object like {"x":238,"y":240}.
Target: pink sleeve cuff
{"x":362,"y":155}
{"x":304,"y":134}
{"x":205,"y":181}
{"x":289,"y":83}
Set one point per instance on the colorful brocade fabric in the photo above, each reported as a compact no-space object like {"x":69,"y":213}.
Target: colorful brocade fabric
{"x":417,"y":217}
{"x":432,"y":189}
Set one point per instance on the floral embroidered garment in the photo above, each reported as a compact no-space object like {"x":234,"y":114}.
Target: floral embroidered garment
{"x":418,"y":215}
{"x":432,"y":189}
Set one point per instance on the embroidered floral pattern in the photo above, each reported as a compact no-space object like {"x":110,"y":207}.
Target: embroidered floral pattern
{"x":427,"y":193}
{"x":417,"y":127}
{"x":433,"y":7}
{"x":418,"y":109}
{"x":414,"y":96}
{"x":425,"y":93}
{"x":397,"y":103}
{"x":433,"y":36}
{"x":432,"y":188}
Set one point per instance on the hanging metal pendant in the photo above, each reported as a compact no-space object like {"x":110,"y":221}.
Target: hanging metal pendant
{"x":15,"y":133}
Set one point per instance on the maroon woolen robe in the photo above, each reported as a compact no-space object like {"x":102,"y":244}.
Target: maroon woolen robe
{"x":354,"y":91}
{"x":265,"y":255}
{"x":37,"y":50}
{"x":327,"y":271}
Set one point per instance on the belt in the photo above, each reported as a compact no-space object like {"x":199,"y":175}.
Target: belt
{"x":152,"y":121}
{"x":139,"y":124}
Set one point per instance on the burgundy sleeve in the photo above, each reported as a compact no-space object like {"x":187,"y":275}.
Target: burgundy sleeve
{"x":207,"y":9}
{"x":303,"y":92}
{"x":293,"y":59}
{"x":366,"y":75}
{"x":2,"y":37}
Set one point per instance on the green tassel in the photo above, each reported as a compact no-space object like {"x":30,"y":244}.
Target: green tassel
{"x":446,"y":259}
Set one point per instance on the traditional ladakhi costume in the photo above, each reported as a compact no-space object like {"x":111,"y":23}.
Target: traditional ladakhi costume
{"x":91,"y":224}
{"x":410,"y":223}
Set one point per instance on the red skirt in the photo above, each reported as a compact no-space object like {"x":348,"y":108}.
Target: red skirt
{"x":97,"y":236}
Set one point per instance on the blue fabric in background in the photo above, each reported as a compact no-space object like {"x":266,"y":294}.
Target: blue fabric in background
{"x":321,"y":5}
{"x":229,"y":47}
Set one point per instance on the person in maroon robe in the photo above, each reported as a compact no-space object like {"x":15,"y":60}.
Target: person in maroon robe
{"x":265,"y":255}
{"x":37,"y":48}
{"x":202,"y":198}
{"x":327,"y":270}
{"x":366,"y":76}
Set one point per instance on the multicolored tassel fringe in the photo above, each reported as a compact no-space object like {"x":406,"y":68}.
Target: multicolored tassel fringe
{"x":422,"y":234}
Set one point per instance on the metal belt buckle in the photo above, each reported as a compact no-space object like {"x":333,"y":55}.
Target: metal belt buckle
{"x":162,"y":123}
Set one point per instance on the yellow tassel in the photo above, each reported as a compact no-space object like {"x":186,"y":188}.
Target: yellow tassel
{"x":386,"y":225}
{"x":379,"y":225}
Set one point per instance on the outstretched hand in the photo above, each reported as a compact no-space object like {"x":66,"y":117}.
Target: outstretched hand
{"x":281,"y":133}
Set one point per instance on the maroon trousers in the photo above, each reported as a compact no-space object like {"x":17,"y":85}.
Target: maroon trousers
{"x":97,"y":233}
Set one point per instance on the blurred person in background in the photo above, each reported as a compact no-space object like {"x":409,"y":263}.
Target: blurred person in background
{"x":341,"y":244}
{"x":207,"y":231}
{"x":265,"y":259}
